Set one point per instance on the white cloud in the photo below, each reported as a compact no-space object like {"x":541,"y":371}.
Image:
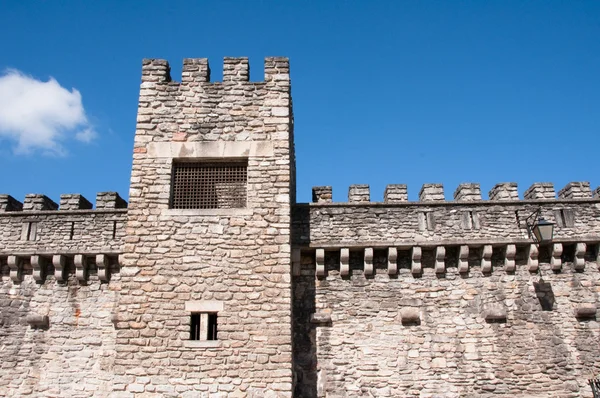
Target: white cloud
{"x":41,"y":115}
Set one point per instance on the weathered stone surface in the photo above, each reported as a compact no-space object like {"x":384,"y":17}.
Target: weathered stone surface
{"x":74,"y":201}
{"x":504,"y":191}
{"x":431,"y":192}
{"x":392,"y":299}
{"x":239,"y":257}
{"x":35,"y":202}
{"x":467,"y":192}
{"x":540,"y":190}
{"x":395,"y":193}
{"x":359,"y":194}
{"x":575,"y":190}
{"x":322,"y":194}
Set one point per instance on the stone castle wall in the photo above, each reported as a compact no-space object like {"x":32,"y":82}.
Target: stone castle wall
{"x":452,"y":299}
{"x":57,"y":336}
{"x":432,"y":298}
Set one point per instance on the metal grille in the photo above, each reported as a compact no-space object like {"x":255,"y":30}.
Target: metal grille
{"x":209,"y":185}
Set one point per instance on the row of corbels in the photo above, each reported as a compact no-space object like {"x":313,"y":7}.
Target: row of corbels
{"x":39,"y":265}
{"x":510,"y":252}
{"x":467,"y":192}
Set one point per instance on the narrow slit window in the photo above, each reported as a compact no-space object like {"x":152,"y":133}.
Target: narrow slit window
{"x":203,"y":326}
{"x":72,"y":232}
{"x":195,"y":327}
{"x":200,"y":185}
{"x":212,"y":327}
{"x":114,"y":230}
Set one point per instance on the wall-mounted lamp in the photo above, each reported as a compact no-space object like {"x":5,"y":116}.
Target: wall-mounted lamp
{"x":540,"y":229}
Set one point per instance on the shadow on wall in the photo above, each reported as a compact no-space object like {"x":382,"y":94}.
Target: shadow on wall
{"x":304,"y":332}
{"x":545,"y":295}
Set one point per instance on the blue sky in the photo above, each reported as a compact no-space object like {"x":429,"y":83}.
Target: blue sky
{"x":384,"y":91}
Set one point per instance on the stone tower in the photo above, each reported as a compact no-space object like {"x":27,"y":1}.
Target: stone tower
{"x":205,"y":302}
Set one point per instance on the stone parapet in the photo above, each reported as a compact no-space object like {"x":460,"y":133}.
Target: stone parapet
{"x":36,"y":202}
{"x":504,"y":191}
{"x":8,"y":203}
{"x":576,"y":190}
{"x":74,"y":201}
{"x":68,"y":202}
{"x":467,"y":192}
{"x":322,"y":194}
{"x":197,"y":70}
{"x":359,"y":194}
{"x":540,"y":190}
{"x":236,"y":69}
{"x":395,"y":193}
{"x":110,"y":200}
{"x":431,"y":193}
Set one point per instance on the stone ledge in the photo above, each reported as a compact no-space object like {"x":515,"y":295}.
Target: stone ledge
{"x":204,"y":306}
{"x":167,"y":213}
{"x":210,"y":150}
{"x":202,"y":343}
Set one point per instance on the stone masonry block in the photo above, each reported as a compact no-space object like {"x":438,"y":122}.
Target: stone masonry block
{"x":596,"y":193}
{"x":432,"y":193}
{"x":322,"y":194}
{"x":395,"y":193}
{"x":495,"y":312}
{"x":110,"y":200}
{"x":467,"y":192}
{"x":195,"y":70}
{"x":576,"y":190}
{"x":36,"y":202}
{"x":540,"y":190}
{"x":74,"y":201}
{"x":359,"y":194}
{"x":586,"y":310}
{"x":156,"y":71}
{"x":277,"y":70}
{"x":504,"y":191}
{"x":8,"y":203}
{"x":236,"y":69}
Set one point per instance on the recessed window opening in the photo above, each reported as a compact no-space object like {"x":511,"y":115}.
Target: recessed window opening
{"x":29,"y":231}
{"x":195,"y":327}
{"x":203,"y":326}
{"x":201,"y":185}
{"x":562,"y":217}
{"x":114,"y":231}
{"x":72,"y":232}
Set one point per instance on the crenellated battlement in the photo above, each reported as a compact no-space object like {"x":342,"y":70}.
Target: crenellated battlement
{"x":466,"y":193}
{"x":68,"y":202}
{"x":293,"y":294}
{"x":197,"y":71}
